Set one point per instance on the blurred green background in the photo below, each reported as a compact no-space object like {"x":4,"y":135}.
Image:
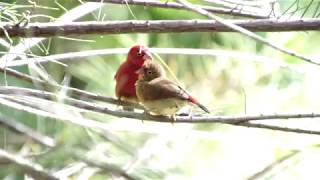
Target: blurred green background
{"x":256,"y":80}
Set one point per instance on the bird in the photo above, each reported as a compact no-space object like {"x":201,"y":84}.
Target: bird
{"x":126,"y":75}
{"x":159,"y":95}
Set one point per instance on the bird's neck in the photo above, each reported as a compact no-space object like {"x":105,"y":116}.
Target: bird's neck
{"x":132,"y":65}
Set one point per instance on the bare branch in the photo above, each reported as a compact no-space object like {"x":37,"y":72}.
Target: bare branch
{"x":248,"y":33}
{"x":159,"y":4}
{"x":271,"y":166}
{"x":156,"y":26}
{"x":78,"y":92}
{"x":240,"y":120}
{"x":22,"y":129}
{"x":81,"y":55}
{"x":277,"y":128}
{"x":33,"y":169}
{"x":103,"y":165}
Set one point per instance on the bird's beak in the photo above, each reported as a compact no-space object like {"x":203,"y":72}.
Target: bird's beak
{"x":147,"y":56}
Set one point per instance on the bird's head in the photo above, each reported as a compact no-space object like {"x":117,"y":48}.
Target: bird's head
{"x":150,"y":70}
{"x":138,"y":54}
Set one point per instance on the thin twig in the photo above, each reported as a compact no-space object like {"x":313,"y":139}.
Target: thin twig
{"x":71,"y":15}
{"x":160,"y":26}
{"x":77,"y":92}
{"x":103,"y":165}
{"x":277,"y":128}
{"x":247,"y":32}
{"x":33,"y":169}
{"x":81,"y":55}
{"x":159,"y":4}
{"x":271,"y":166}
{"x":22,"y":129}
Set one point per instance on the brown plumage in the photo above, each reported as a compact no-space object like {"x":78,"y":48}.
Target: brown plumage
{"x":159,"y":95}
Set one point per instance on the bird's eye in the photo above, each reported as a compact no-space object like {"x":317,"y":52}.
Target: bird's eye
{"x":149,"y":72}
{"x":139,"y":54}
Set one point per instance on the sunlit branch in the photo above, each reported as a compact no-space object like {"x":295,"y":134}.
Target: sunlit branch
{"x":155,"y":26}
{"x":271,"y":166}
{"x":168,"y":4}
{"x":247,"y":32}
{"x":103,"y":165}
{"x":24,"y":130}
{"x":33,"y":169}
{"x":81,"y":56}
{"x":75,"y":91}
{"x":240,"y":120}
{"x":277,"y":128}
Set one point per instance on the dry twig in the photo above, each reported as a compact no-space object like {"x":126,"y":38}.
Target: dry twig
{"x":24,"y":130}
{"x":33,"y":169}
{"x":168,"y":4}
{"x":160,"y":26}
{"x":248,"y":33}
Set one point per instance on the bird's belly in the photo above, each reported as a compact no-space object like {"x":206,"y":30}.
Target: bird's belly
{"x":167,"y":106}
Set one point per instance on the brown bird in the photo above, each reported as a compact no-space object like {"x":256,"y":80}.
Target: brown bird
{"x":126,"y":75}
{"x":159,"y":95}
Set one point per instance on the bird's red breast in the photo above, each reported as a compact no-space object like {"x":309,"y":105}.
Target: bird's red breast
{"x":126,"y":78}
{"x":126,"y":75}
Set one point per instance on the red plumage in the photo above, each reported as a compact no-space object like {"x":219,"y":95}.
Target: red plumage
{"x":126,"y":75}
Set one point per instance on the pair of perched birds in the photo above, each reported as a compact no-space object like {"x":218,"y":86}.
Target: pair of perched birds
{"x":141,"y":79}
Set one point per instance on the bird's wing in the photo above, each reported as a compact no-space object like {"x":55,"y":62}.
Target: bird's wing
{"x":161,"y":88}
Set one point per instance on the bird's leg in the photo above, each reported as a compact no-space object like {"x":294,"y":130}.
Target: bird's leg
{"x":119,"y":102}
{"x":190,"y":113}
{"x":173,"y":119}
{"x":146,"y":113}
{"x":124,"y":107}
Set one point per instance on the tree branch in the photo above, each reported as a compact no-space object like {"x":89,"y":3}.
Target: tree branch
{"x":159,"y":4}
{"x":154,"y":26}
{"x":103,"y":165}
{"x":277,"y":128}
{"x":81,"y":55}
{"x":239,"y":120}
{"x":271,"y":166}
{"x":35,"y":170}
{"x":247,"y":32}
{"x":77,"y":92}
{"x":22,"y":129}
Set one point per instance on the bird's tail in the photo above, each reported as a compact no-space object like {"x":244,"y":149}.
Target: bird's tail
{"x":203,"y":108}
{"x":194,"y":101}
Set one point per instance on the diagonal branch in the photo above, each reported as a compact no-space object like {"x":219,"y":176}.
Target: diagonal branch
{"x":77,"y":92}
{"x":168,"y":4}
{"x":103,"y":165}
{"x":246,"y":32}
{"x":33,"y":169}
{"x":277,"y":128}
{"x":271,"y":166}
{"x":22,"y":129}
{"x":159,"y":26}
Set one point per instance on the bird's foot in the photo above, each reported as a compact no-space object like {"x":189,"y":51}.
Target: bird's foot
{"x":173,"y":119}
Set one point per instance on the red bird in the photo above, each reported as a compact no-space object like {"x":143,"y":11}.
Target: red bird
{"x":126,"y":75}
{"x":159,"y":95}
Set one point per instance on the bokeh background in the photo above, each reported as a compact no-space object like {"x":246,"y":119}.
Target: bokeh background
{"x":245,"y":78}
